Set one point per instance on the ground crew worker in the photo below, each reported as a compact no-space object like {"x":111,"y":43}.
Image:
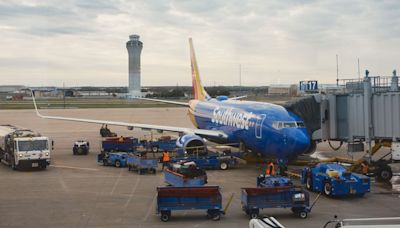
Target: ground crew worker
{"x":165,"y":159}
{"x":364,"y":168}
{"x":121,"y":139}
{"x":270,"y":169}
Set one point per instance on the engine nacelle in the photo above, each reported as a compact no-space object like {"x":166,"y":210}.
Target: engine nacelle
{"x":191,"y":144}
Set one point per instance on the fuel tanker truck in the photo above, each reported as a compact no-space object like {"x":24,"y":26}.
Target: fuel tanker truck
{"x":23,"y":148}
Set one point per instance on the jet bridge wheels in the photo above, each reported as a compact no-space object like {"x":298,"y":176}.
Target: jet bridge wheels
{"x":384,"y":173}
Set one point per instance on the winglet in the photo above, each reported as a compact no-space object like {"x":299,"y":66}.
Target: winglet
{"x":34,"y":103}
{"x":199,"y":92}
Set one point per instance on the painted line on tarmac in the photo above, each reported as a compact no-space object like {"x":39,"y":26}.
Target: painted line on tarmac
{"x":132,"y":193}
{"x":116,"y":182}
{"x":72,"y":167}
{"x":153,"y":202}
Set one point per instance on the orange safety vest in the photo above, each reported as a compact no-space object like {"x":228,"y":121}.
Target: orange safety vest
{"x":165,"y":156}
{"x":270,"y":169}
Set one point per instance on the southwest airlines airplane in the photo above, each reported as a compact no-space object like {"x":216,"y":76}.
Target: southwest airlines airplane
{"x":263,"y":128}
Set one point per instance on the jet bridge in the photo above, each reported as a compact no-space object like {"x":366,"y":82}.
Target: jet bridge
{"x":363,"y":110}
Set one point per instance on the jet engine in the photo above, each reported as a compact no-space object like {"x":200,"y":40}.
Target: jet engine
{"x":192,"y":144}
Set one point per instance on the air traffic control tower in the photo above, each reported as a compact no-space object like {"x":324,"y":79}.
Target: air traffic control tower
{"x":134,"y":46}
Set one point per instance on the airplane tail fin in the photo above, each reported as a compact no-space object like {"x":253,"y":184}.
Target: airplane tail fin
{"x":199,"y":92}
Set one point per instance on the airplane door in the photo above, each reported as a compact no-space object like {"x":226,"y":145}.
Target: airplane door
{"x":259,"y":125}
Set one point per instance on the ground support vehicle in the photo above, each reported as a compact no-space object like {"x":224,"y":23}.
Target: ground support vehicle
{"x":81,"y":147}
{"x":117,"y":159}
{"x":140,"y":162}
{"x":254,"y":199}
{"x":273,"y":181}
{"x":210,"y":161}
{"x":185,"y":174}
{"x":333,"y":179}
{"x":164,"y":143}
{"x":122,"y":144}
{"x":23,"y":148}
{"x":105,"y":132}
{"x":189,"y":198}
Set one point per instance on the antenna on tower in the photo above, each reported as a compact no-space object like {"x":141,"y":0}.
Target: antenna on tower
{"x":337,"y":70}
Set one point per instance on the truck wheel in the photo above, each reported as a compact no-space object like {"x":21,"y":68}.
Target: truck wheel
{"x":165,"y":216}
{"x":117,"y":164}
{"x":216,"y":217}
{"x":104,"y":162}
{"x":254,"y":213}
{"x":327,"y":189}
{"x":309,"y":183}
{"x":154,"y":171}
{"x":154,"y":149}
{"x":303,"y":214}
{"x":384,"y":173}
{"x":223,"y":165}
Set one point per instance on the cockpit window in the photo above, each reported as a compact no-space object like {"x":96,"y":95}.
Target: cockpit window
{"x":288,"y":124}
{"x":300,"y":124}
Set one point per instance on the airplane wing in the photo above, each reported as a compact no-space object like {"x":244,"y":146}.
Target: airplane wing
{"x":201,"y":132}
{"x":163,"y":101}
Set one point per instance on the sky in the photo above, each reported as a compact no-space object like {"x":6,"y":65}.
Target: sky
{"x":81,"y":43}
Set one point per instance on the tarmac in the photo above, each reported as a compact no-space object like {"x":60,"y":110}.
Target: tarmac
{"x":75,"y":191}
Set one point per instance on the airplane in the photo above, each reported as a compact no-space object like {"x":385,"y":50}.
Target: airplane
{"x":263,"y":128}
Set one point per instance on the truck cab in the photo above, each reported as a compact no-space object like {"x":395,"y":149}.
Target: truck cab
{"x":23,"y":148}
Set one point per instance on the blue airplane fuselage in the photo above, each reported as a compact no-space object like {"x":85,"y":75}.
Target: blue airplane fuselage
{"x":264,"y":128}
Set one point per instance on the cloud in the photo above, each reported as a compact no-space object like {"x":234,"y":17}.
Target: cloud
{"x":83,"y":42}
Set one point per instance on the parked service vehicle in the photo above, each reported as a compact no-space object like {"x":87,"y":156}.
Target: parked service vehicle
{"x":122,"y":144}
{"x":81,"y":147}
{"x":209,"y":160}
{"x":206,"y":198}
{"x":23,"y":148}
{"x":164,"y":143}
{"x":117,"y":159}
{"x":275,"y":192}
{"x":333,"y":179}
{"x":185,"y":174}
{"x":141,"y":162}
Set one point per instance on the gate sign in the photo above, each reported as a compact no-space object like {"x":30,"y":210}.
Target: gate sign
{"x":309,"y":85}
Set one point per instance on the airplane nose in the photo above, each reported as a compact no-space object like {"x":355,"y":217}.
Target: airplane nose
{"x":300,"y":142}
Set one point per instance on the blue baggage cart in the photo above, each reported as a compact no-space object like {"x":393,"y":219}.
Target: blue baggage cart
{"x":140,"y":162}
{"x":210,"y":161}
{"x":254,"y":199}
{"x":189,"y":198}
{"x":179,"y":180}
